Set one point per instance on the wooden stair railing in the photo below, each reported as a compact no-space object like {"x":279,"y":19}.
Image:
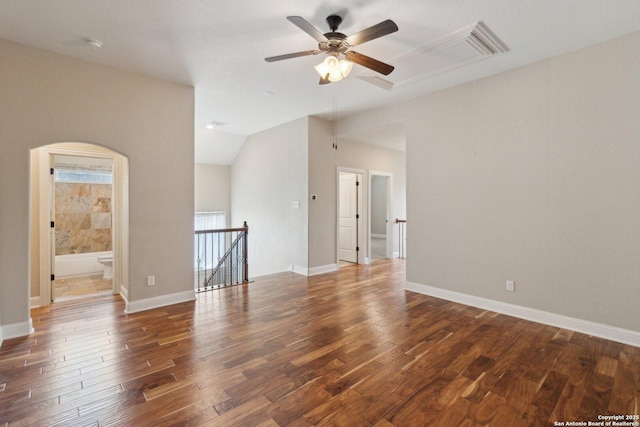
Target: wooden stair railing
{"x":232,"y":267}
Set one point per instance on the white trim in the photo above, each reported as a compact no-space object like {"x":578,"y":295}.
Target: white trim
{"x":298,"y":270}
{"x":613,"y":333}
{"x":120,"y":210}
{"x":322,"y":269}
{"x":304,"y":271}
{"x":34,"y":302}
{"x":44,"y":224}
{"x":16,"y":330}
{"x":159,"y":301}
{"x":396,"y":254}
{"x":378,"y":236}
{"x":124,"y":293}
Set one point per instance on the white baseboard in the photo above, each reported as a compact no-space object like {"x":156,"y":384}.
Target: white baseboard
{"x":299,"y":270}
{"x":34,"y":302}
{"x":322,"y":269}
{"x":15,"y":330}
{"x":396,"y":254}
{"x":159,"y":301}
{"x":314,"y":270}
{"x":612,"y":333}
{"x":124,"y":293}
{"x":379,"y":236}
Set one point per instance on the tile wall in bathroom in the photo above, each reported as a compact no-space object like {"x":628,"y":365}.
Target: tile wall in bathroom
{"x":83,"y":218}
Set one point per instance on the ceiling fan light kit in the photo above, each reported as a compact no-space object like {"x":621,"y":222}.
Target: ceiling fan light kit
{"x":334,"y":69}
{"x":335,"y":44}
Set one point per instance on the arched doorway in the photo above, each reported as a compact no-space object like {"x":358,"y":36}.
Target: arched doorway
{"x":43,"y":214}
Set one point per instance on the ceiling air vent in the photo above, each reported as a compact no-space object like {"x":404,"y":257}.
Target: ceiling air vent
{"x":468,"y":45}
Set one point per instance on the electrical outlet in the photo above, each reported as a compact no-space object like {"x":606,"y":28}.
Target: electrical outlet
{"x":151,"y":280}
{"x":511,"y":286}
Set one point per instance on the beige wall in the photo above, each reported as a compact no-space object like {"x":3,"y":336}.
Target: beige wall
{"x":213,"y":190}
{"x":532,"y":175}
{"x":323,"y":164}
{"x":47,"y":98}
{"x":322,"y":182}
{"x":287,"y":164}
{"x":268,"y":175}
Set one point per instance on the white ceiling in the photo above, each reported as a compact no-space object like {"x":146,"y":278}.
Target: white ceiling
{"x":218,"y":46}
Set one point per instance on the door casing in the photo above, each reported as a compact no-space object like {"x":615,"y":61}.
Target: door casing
{"x":120,"y":209}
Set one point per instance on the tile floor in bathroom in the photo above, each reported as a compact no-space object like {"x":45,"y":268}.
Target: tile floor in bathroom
{"x":81,"y":286}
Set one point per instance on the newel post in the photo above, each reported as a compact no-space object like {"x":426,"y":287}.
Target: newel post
{"x":245,"y":254}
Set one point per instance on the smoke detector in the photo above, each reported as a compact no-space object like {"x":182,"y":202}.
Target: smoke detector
{"x":93,"y":44}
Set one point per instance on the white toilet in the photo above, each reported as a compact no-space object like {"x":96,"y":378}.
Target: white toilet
{"x":107,"y":261}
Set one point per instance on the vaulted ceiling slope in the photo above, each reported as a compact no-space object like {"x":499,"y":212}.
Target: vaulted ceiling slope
{"x":219,"y":46}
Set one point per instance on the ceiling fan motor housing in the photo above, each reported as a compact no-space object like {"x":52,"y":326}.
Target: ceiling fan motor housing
{"x":334,"y":45}
{"x":336,"y":42}
{"x":334,"y":22}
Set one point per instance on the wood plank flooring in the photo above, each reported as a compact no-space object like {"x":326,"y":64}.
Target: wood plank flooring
{"x":341,"y":349}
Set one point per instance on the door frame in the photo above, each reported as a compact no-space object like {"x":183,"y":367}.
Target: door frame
{"x":389,"y":213}
{"x":362,"y":223}
{"x":120,"y":212}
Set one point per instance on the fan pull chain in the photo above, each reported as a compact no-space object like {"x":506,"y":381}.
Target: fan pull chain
{"x":335,"y":125}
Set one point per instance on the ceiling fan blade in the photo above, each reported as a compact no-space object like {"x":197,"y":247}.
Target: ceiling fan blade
{"x":305,"y":26}
{"x":324,"y":80}
{"x":292,"y":55}
{"x":367,"y":61}
{"x":378,"y":30}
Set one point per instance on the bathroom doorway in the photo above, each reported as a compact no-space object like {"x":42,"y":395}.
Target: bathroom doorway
{"x":82,"y":248}
{"x":79,"y":216}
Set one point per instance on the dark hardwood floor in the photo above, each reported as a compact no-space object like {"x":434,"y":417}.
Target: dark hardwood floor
{"x":340,"y":349}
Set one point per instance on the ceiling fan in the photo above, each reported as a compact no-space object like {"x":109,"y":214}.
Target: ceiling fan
{"x":336,"y":44}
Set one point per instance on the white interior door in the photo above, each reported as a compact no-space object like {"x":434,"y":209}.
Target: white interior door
{"x":348,"y":217}
{"x":52,"y":219}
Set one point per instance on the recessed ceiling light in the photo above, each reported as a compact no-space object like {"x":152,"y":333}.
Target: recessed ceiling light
{"x":94,"y":44}
{"x":214,"y":124}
